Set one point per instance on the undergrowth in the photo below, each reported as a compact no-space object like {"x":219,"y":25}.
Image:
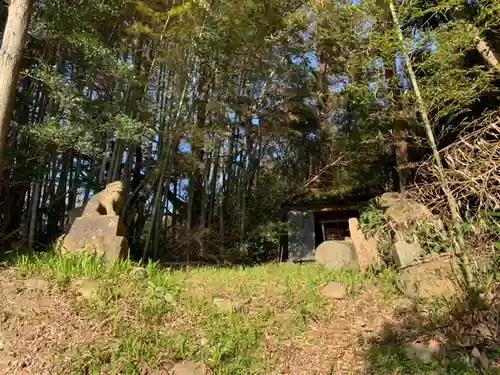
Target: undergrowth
{"x":157,"y":316}
{"x":170,"y":314}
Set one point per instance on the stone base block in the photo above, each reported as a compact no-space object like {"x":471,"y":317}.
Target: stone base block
{"x":406,"y":253}
{"x":100,"y":225}
{"x":112,"y":248}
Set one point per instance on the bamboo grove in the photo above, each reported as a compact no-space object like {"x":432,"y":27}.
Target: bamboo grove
{"x":214,"y":112}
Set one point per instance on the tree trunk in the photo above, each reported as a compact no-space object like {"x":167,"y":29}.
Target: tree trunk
{"x":458,"y":238}
{"x":35,"y":201}
{"x":11,"y":54}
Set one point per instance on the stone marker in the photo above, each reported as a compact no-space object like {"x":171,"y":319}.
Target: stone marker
{"x":428,"y":280}
{"x":406,"y":253}
{"x":100,"y":230}
{"x":333,"y":289}
{"x":336,"y":254}
{"x":110,"y":248}
{"x":366,"y":251}
{"x":104,"y":225}
{"x":73,"y":214}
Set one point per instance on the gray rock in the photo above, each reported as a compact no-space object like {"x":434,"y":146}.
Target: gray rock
{"x":428,"y":280}
{"x":402,"y":210}
{"x":189,"y":368}
{"x":388,"y":199}
{"x":336,"y":254}
{"x":406,"y":253}
{"x":333,"y":289}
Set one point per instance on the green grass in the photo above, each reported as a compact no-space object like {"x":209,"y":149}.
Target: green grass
{"x":391,"y":359}
{"x":170,"y":314}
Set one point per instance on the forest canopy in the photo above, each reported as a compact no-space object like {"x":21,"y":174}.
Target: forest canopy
{"x":214,"y":113}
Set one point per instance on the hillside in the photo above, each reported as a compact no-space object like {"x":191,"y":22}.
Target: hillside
{"x":77,"y":316}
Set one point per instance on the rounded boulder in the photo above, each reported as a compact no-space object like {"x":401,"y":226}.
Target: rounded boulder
{"x":336,"y":254}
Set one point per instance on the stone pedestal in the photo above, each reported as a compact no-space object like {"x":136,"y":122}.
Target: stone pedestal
{"x":102,"y":235}
{"x":102,"y":225}
{"x":433,"y":279}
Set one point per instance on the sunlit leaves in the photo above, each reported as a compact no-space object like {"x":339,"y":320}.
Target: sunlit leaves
{"x":128,"y":128}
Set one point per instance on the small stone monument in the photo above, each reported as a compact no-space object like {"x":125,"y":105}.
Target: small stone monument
{"x":366,"y":249}
{"x":100,"y":230}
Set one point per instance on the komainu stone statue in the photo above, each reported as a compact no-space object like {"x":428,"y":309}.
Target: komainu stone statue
{"x":107,"y":202}
{"x":100,"y":230}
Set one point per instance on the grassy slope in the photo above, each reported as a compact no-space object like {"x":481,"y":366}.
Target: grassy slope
{"x":279,"y":323}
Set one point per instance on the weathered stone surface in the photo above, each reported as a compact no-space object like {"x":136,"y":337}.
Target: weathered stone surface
{"x":5,"y":361}
{"x":402,"y":210}
{"x":336,"y":254}
{"x":111,"y":249}
{"x":107,"y":202}
{"x":301,"y":236}
{"x":91,"y":226}
{"x":333,"y":289}
{"x":428,"y":280}
{"x":189,"y":368}
{"x":366,"y":250}
{"x":388,"y":199}
{"x":406,"y":253}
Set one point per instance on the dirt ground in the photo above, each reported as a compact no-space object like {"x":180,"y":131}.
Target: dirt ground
{"x":40,"y":327}
{"x":37,"y":324}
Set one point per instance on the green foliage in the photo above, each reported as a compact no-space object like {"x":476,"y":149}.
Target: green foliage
{"x":323,"y":80}
{"x":433,"y":239}
{"x":374,"y":223}
{"x":372,"y":220}
{"x":430,"y":236}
